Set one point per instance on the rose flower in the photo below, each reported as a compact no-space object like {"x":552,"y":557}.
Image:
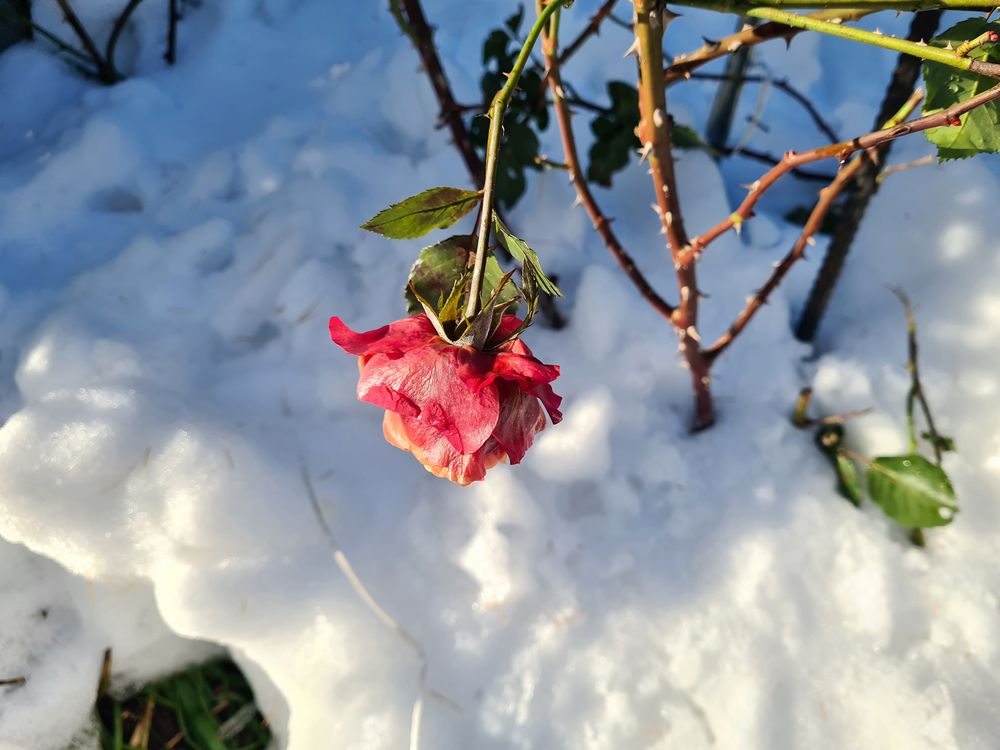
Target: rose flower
{"x":457,"y":409}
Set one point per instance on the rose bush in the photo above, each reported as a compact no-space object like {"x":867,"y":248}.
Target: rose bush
{"x":459,"y":410}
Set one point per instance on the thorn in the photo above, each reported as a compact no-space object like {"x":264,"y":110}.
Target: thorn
{"x":877,"y":32}
{"x":668,"y":217}
{"x":735,"y":45}
{"x":746,"y":27}
{"x":776,"y":264}
{"x":687,"y":75}
{"x":706,"y":379}
{"x":645,"y":151}
{"x":576,"y":202}
{"x":948,"y":45}
{"x":811,"y":241}
{"x":658,"y":118}
{"x":668,"y":16}
{"x":692,"y":333}
{"x":752,"y":186}
{"x":921,"y":43}
{"x":685,"y":294}
{"x":633,"y":49}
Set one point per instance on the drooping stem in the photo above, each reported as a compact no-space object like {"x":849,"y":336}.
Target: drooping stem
{"x":496,"y":112}
{"x":413,"y":23}
{"x":602,"y":225}
{"x":651,"y":17}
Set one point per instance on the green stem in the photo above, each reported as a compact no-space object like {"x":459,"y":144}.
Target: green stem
{"x":909,"y":5}
{"x":810,"y":23}
{"x":497,"y":110}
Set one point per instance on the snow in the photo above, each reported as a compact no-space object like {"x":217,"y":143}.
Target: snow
{"x":172,"y":248}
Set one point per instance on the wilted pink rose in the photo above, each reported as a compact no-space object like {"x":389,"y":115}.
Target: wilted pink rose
{"x":457,"y":409}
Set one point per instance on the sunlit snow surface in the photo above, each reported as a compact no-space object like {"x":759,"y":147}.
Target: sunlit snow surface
{"x":170,"y":251}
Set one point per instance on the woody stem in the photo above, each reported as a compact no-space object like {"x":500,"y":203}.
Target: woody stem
{"x":654,"y":133}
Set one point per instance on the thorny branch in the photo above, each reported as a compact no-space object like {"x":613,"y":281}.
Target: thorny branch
{"x":783,"y":86}
{"x":602,"y":225}
{"x":863,"y":188}
{"x":651,"y":18}
{"x":592,"y":28}
{"x":683,"y":65}
{"x":841,"y":151}
{"x":826,"y":197}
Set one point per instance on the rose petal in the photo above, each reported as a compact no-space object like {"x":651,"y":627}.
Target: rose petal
{"x":435,"y":453}
{"x":395,"y":338}
{"x":521,"y":418}
{"x":550,"y":400}
{"x":428,"y":379}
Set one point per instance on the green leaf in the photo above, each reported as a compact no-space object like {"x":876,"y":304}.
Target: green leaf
{"x":614,"y":134}
{"x":947,"y":86}
{"x":417,"y":215}
{"x":686,"y":137}
{"x":912,"y":491}
{"x":528,"y":258}
{"x":438,"y":269}
{"x":829,"y":439}
{"x":442,"y":267}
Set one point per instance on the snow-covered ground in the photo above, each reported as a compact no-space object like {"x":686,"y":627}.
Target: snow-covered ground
{"x":170,"y":251}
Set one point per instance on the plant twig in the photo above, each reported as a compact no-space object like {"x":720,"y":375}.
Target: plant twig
{"x":602,"y":225}
{"x":103,"y":72}
{"x":826,"y":198}
{"x":783,"y":86}
{"x":13,"y":681}
{"x":592,"y":28}
{"x":916,"y":392}
{"x":31,"y":26}
{"x":116,"y":32}
{"x":173,"y":16}
{"x":683,"y":65}
{"x":765,"y":158}
{"x":654,"y":129}
{"x":862,"y":190}
{"x":422,"y":36}
{"x":923,"y":161}
{"x":841,"y":151}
